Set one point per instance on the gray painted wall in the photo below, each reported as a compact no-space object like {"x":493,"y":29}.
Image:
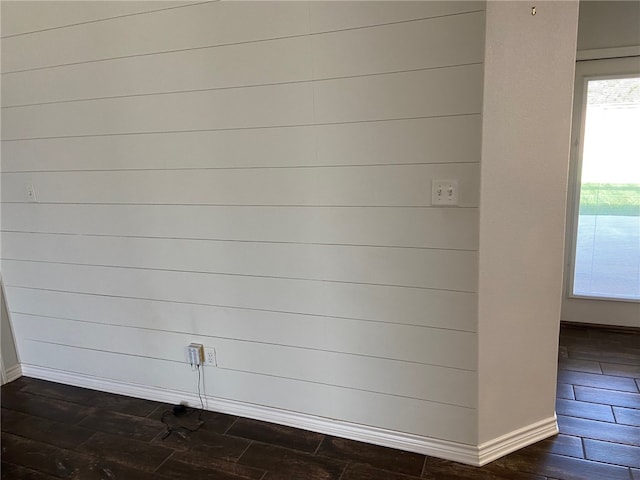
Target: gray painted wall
{"x":603,"y":24}
{"x":9,"y":354}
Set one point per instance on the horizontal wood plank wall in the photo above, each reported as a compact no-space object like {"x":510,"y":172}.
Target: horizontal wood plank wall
{"x":20,"y":18}
{"x":258,"y":181}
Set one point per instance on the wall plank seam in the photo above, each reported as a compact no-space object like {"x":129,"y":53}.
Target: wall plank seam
{"x":228,"y":44}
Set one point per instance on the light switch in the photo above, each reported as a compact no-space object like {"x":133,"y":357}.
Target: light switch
{"x":444,"y":192}
{"x":31,"y":193}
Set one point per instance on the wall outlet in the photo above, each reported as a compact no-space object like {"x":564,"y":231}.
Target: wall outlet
{"x":210,"y":357}
{"x":195,"y":354}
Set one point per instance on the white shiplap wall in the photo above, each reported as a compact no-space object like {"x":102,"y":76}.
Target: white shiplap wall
{"x":255,"y":177}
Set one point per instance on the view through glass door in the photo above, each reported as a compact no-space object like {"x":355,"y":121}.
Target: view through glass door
{"x":607,"y":257}
{"x":604,"y":258}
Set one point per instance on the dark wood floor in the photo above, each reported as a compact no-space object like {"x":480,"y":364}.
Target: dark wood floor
{"x":51,"y":431}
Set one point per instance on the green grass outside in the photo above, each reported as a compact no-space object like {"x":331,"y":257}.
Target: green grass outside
{"x":610,"y":199}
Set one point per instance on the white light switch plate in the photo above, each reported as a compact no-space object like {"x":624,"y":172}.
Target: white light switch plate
{"x":31,"y":193}
{"x":444,"y":192}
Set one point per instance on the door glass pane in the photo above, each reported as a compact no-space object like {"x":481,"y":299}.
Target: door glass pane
{"x":607,"y":260}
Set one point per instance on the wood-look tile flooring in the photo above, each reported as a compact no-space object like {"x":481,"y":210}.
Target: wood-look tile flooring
{"x":51,"y":431}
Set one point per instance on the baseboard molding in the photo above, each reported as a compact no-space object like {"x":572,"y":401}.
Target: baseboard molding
{"x":631,"y":329}
{"x":13,"y":373}
{"x":458,"y":452}
{"x":512,"y":441}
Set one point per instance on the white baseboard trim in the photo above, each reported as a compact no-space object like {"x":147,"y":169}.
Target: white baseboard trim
{"x":458,"y":452}
{"x":13,"y":373}
{"x":512,"y":441}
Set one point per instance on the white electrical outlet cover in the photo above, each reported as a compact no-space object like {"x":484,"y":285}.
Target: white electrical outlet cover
{"x":210,"y":357}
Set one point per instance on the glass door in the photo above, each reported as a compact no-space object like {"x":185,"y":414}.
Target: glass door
{"x":603,"y":266}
